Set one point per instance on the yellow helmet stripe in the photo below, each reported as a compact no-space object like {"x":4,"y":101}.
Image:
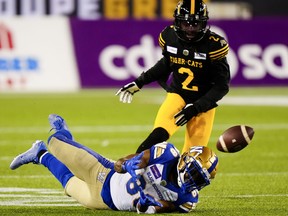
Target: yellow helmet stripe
{"x":192,"y":7}
{"x":213,"y":165}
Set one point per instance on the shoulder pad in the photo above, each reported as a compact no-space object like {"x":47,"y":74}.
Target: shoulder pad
{"x":163,"y":35}
{"x":161,"y":41}
{"x":160,"y":148}
{"x":219,"y":47}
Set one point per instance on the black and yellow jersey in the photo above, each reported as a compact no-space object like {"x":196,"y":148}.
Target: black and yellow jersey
{"x":199,"y":71}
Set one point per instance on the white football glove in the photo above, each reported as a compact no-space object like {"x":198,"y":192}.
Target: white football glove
{"x":127,"y":91}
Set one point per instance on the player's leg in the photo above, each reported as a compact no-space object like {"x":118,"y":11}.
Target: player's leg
{"x":164,"y":125}
{"x":198,"y":130}
{"x":80,"y":191}
{"x":56,"y":167}
{"x":78,"y":158}
{"x":88,"y":168}
{"x":38,"y":154}
{"x":63,"y":134}
{"x":88,"y":195}
{"x":59,"y":124}
{"x":87,"y":190}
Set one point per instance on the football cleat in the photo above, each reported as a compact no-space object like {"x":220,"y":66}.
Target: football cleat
{"x":30,"y":156}
{"x":57,"y":122}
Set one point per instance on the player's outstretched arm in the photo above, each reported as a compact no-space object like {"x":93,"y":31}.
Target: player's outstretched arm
{"x":127,"y":91}
{"x":141,"y":160}
{"x":159,"y":72}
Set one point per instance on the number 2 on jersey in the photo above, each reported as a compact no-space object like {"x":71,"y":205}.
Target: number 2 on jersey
{"x":188,"y":80}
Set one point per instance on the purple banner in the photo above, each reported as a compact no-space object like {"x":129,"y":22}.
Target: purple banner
{"x":112,"y":53}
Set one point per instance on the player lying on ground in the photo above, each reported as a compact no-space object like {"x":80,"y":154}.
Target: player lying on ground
{"x":158,"y":179}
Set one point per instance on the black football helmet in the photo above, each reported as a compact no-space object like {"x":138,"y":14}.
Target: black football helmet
{"x":191,"y":18}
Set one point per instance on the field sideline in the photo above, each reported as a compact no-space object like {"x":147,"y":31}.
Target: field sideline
{"x":250,"y":182}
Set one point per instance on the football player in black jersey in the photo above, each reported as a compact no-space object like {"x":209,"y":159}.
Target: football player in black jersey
{"x":194,"y":72}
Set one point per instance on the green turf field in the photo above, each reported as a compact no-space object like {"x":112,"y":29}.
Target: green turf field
{"x":251,"y":182}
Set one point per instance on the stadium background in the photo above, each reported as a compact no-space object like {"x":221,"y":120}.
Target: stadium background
{"x":71,"y":56}
{"x":92,"y":44}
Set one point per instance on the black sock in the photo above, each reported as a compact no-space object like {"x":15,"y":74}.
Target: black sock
{"x":158,"y":135}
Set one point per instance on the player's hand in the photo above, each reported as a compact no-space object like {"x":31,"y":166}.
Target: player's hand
{"x":132,"y":165}
{"x":185,"y":115}
{"x":146,"y":200}
{"x":127,"y":91}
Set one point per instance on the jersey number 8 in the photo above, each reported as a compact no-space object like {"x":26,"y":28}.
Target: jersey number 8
{"x":132,"y":186}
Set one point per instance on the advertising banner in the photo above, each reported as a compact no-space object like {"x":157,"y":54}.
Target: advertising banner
{"x":37,"y":55}
{"x":90,"y":9}
{"x":111,"y":53}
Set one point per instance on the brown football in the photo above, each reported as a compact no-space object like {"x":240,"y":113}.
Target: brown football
{"x":235,"y":138}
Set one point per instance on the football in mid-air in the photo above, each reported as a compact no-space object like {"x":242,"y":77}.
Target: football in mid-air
{"x":235,"y":138}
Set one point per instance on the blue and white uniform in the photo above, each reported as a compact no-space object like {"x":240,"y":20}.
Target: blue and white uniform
{"x":121,"y":190}
{"x":90,"y":178}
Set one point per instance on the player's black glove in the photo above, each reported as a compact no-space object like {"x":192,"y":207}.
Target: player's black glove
{"x":185,"y":114}
{"x":127,"y":91}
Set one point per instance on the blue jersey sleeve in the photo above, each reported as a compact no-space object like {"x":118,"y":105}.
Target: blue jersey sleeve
{"x":163,"y":153}
{"x":187,"y":202}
